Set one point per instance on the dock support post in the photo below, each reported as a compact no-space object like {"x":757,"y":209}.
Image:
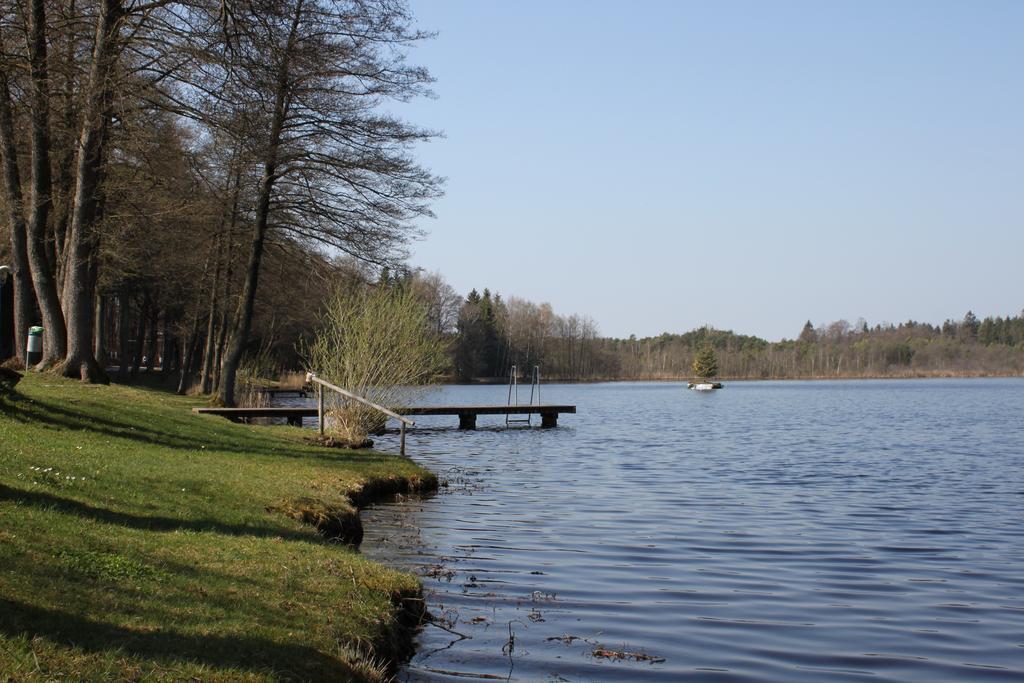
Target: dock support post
{"x":467,"y":420}
{"x":548,"y":420}
{"x":320,"y":408}
{"x":402,"y":448}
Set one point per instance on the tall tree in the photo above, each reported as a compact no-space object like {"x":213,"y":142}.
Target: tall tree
{"x":971,"y":324}
{"x":67,"y":45}
{"x":335,"y":171}
{"x":54,"y":327}
{"x":808,"y":333}
{"x":24,"y":294}
{"x":83,"y":237}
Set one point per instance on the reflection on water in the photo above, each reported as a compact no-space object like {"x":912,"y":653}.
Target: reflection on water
{"x":766,"y":532}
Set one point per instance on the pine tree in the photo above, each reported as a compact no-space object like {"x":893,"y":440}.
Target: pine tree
{"x":971,"y":324}
{"x":808,"y":334}
{"x":987,"y":331}
{"x":490,"y":343}
{"x":705,"y":364}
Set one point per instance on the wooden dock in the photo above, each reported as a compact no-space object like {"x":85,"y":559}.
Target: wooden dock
{"x":466,"y":414}
{"x":274,"y":393}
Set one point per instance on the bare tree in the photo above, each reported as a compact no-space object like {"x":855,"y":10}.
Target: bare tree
{"x":441,"y":300}
{"x":24,"y":294}
{"x":301,"y":82}
{"x":54,"y":328}
{"x":82,"y":237}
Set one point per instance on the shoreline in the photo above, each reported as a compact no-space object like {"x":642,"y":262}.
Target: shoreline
{"x":140,"y":540}
{"x":487,"y":381}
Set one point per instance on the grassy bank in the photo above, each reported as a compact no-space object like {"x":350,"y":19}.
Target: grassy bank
{"x":138,"y":541}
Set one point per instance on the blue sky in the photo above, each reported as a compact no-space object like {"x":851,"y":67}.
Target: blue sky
{"x":660,"y":166}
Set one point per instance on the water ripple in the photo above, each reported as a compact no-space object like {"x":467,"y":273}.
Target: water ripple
{"x":840,"y":531}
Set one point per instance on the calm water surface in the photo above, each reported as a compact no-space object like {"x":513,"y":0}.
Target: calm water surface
{"x":797,"y":531}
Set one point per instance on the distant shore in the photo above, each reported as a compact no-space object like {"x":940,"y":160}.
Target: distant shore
{"x":603,"y":380}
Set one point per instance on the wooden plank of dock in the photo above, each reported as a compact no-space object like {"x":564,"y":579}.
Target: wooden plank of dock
{"x":466,"y":414}
{"x":273,"y":393}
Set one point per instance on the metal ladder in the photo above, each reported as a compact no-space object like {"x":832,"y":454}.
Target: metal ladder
{"x":513,"y":394}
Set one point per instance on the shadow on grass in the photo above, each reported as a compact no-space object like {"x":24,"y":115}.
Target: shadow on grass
{"x":46,"y":412}
{"x":148,"y":523}
{"x":283,"y":660}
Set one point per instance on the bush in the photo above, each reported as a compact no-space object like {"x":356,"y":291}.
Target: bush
{"x":376,"y":343}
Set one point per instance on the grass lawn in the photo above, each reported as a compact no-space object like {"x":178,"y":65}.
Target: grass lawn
{"x":141,"y":542}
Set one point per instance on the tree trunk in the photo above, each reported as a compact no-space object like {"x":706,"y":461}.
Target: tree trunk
{"x":219,"y":354}
{"x":154,"y":322}
{"x":173,"y":358}
{"x":122,"y":335}
{"x":63,"y":182}
{"x":54,"y":328}
{"x":140,"y":337}
{"x":165,"y":348}
{"x":187,"y":356}
{"x":226,"y":323}
{"x":99,"y":338}
{"x":24,"y":293}
{"x":211,"y":329}
{"x":240,"y":335}
{"x":188,"y":352}
{"x":82,"y":238}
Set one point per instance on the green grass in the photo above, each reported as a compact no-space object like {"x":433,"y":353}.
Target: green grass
{"x":141,"y":542}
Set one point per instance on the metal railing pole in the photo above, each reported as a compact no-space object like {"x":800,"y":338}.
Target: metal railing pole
{"x":401,"y":450}
{"x":320,"y":408}
{"x":321,"y":385}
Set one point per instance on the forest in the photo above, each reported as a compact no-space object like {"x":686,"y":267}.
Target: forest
{"x":184,"y":181}
{"x":492,"y":334}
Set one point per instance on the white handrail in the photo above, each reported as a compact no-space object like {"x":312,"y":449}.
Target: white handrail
{"x":311,"y":377}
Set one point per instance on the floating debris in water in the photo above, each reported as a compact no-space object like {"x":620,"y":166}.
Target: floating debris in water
{"x":437,"y":571}
{"x":601,"y":652}
{"x":467,"y":674}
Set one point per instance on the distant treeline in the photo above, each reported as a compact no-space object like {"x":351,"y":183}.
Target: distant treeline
{"x":993,"y":346}
{"x":491,"y":334}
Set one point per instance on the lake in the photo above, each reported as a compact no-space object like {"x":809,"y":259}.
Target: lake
{"x":770,"y":531}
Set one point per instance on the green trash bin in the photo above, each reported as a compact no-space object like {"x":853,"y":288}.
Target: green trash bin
{"x":35,"y":345}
